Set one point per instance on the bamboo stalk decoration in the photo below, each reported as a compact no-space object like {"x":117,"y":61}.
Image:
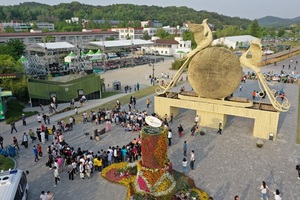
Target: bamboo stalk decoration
{"x":250,"y":59}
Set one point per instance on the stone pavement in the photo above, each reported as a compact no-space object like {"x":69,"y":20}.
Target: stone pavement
{"x":226,"y":164}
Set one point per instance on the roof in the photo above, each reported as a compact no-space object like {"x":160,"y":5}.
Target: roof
{"x":240,"y":38}
{"x":56,"y":45}
{"x":56,"y":33}
{"x":165,"y":41}
{"x":121,"y":43}
{"x":5,"y":94}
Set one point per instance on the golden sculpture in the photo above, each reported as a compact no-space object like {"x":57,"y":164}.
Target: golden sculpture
{"x":215,"y":72}
{"x":250,"y":59}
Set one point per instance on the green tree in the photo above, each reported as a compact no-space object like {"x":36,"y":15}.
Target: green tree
{"x":188,"y":35}
{"x":146,"y":36}
{"x":9,"y":29}
{"x":17,"y":48}
{"x":281,"y":33}
{"x":162,"y":34}
{"x":254,"y":29}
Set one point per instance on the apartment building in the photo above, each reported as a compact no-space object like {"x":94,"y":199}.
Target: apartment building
{"x":24,"y":27}
{"x":75,"y":38}
{"x":126,"y":33}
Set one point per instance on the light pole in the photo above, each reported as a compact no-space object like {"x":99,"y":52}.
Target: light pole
{"x":153,"y":69}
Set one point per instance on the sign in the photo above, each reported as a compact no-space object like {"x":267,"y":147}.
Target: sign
{"x":153,"y":121}
{"x":10,"y":75}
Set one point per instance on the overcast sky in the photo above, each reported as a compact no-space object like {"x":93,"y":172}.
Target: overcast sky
{"x":250,"y":9}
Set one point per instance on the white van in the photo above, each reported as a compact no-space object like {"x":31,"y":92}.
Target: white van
{"x":13,"y":185}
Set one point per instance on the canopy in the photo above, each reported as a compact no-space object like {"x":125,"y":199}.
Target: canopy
{"x":23,"y":59}
{"x":72,"y":54}
{"x":90,"y":52}
{"x":99,"y":52}
{"x":121,"y":43}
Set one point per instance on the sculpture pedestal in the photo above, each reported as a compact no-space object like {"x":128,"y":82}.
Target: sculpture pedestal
{"x":212,"y":112}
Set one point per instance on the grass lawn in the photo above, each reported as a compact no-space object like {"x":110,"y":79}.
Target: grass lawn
{"x":15,"y":111}
{"x":108,"y":94}
{"x":298,"y":121}
{"x":6,"y":163}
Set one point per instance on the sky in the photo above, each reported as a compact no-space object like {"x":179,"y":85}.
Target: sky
{"x":250,"y":9}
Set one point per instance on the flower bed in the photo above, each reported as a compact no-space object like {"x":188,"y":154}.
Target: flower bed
{"x":183,"y":183}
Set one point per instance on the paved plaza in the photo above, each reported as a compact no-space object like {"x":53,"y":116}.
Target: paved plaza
{"x":226,"y":165}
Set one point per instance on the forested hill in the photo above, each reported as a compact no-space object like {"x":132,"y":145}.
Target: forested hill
{"x":32,"y":11}
{"x":271,"y":21}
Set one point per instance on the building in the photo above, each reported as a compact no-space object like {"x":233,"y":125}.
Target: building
{"x":167,"y":47}
{"x":151,"y":23}
{"x":17,"y":26}
{"x":128,"y":33}
{"x":25,"y":27}
{"x":234,"y":42}
{"x":75,"y":38}
{"x":44,"y":25}
{"x":41,"y":91}
{"x":175,"y":30}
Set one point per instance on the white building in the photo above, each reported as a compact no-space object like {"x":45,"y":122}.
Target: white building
{"x":151,"y":31}
{"x":175,"y":30}
{"x":18,"y":27}
{"x":168,"y":47}
{"x":233,"y":42}
{"x":44,"y":25}
{"x":128,"y":33}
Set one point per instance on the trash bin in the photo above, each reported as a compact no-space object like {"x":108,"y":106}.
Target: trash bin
{"x":271,"y":136}
{"x":116,"y":85}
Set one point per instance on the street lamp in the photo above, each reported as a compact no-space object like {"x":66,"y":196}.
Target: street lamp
{"x":153,"y":69}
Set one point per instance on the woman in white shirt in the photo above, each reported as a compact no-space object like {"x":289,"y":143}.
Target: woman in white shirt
{"x":264,"y":189}
{"x":277,"y":195}
{"x":184,"y":165}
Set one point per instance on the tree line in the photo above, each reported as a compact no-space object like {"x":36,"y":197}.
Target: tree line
{"x":129,"y":14}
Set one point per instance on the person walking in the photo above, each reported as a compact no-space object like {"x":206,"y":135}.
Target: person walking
{"x":171,"y":118}
{"x":43,"y":135}
{"x":50,"y":196}
{"x":25,"y":140}
{"x":24,"y":119}
{"x":196,"y":119}
{"x":43,"y":196}
{"x":184,"y":165}
{"x":220,"y":128}
{"x":70,"y":171}
{"x":192,"y":162}
{"x":16,"y":143}
{"x":277,"y":195}
{"x":1,"y":141}
{"x":184,"y":148}
{"x":35,"y":153}
{"x":170,"y":136}
{"x":13,"y":127}
{"x":180,"y":130}
{"x":264,"y":189}
{"x":298,"y":169}
{"x":56,"y":176}
{"x":148,"y":103}
{"x":39,"y":148}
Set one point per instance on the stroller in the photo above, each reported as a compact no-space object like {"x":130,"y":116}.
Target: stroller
{"x":11,"y":151}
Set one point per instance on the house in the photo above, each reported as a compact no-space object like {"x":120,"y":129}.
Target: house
{"x":234,"y":42}
{"x":167,"y":47}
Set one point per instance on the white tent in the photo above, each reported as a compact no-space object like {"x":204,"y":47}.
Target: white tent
{"x":71,"y":56}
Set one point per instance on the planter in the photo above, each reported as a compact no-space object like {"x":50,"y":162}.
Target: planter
{"x":259,"y":144}
{"x":202,"y":132}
